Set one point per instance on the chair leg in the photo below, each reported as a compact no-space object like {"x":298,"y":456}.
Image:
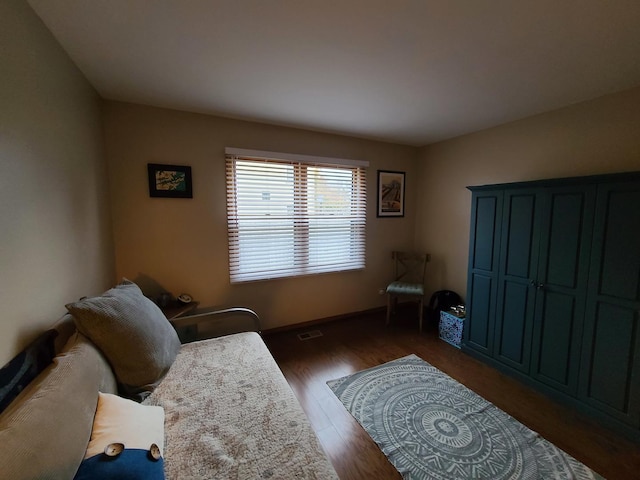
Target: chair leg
{"x":420,"y":314}
{"x":388,"y":309}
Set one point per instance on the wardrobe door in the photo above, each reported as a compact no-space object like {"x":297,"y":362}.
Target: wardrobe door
{"x":486,"y":217}
{"x":610,"y":368}
{"x":561,"y":285}
{"x":517,"y":277}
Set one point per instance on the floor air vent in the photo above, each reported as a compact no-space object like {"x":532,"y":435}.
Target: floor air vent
{"x":309,"y":335}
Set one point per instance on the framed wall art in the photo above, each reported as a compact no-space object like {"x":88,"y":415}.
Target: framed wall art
{"x":390,"y":193}
{"x":169,"y":181}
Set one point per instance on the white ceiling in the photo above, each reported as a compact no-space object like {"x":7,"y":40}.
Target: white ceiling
{"x":406,"y":71}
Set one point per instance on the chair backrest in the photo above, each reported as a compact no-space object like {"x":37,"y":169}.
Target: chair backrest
{"x":410,"y":267}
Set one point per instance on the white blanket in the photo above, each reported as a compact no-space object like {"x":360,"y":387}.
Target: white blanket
{"x":229,"y":413}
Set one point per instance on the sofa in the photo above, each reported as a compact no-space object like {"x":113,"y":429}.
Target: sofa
{"x":123,"y":398}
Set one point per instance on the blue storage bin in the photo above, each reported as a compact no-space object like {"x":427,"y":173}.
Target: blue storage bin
{"x":450,"y":328}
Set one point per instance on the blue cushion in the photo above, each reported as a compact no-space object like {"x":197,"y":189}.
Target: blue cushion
{"x":137,"y":427}
{"x":131,"y":464}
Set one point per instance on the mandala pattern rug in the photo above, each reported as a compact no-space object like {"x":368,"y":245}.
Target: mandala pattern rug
{"x":432,"y":427}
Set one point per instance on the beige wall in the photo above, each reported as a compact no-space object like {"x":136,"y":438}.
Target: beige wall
{"x":55,"y":239}
{"x":599,"y":136}
{"x":181,"y":244}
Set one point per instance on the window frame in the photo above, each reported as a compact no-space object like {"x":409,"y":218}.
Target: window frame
{"x":300,"y":262}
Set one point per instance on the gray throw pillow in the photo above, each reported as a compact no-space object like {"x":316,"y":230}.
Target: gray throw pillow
{"x":133,"y":334}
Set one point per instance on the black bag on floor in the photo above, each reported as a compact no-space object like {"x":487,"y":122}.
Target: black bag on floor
{"x":443,"y":300}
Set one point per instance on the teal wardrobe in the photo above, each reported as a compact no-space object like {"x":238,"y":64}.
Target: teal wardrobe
{"x":553,"y":294}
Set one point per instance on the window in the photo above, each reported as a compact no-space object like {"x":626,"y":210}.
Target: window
{"x":292,"y":215}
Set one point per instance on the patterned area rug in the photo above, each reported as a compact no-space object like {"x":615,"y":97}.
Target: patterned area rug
{"x":431,"y":427}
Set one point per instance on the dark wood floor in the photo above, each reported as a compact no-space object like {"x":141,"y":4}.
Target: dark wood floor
{"x":354,"y":344}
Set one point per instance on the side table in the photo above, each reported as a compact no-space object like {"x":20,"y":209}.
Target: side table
{"x":178,"y":309}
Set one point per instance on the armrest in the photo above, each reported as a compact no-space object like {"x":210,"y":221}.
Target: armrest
{"x":207,"y":319}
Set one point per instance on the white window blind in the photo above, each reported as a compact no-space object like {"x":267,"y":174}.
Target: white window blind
{"x":293,"y":216}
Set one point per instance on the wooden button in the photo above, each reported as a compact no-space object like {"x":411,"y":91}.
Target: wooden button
{"x":154,"y":452}
{"x":113,"y":449}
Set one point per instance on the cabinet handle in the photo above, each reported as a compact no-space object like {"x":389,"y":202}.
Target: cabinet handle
{"x":539,"y":286}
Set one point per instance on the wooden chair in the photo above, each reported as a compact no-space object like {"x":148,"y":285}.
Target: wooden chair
{"x":408,"y":281}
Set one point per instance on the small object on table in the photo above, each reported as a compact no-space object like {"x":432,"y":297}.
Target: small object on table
{"x":184,"y":298}
{"x":164,"y":300}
